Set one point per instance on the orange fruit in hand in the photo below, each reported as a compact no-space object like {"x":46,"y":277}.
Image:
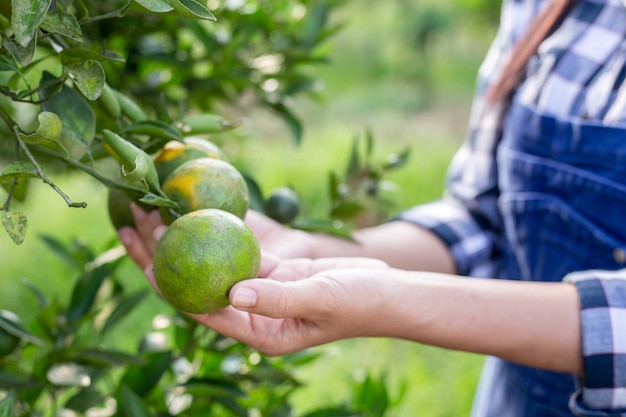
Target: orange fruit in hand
{"x":206,"y":183}
{"x":174,"y":154}
{"x":199,"y":258}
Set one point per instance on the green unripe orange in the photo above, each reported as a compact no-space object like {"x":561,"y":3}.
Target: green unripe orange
{"x":200,"y":257}
{"x":283,"y":205}
{"x":206,"y":183}
{"x":174,"y":154}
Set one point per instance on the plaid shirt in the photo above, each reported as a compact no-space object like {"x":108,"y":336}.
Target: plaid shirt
{"x":578,"y":71}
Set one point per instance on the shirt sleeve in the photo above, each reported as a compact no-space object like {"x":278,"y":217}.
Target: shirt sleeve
{"x":472,"y":244}
{"x":602,"y":388}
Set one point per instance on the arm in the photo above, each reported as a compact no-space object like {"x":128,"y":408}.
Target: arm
{"x":535,"y":324}
{"x":399,"y":243}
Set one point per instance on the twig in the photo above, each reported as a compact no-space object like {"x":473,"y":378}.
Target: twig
{"x":113,"y":14}
{"x":41,"y":174}
{"x":87,"y":169}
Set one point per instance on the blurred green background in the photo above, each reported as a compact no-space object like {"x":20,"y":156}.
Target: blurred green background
{"x":403,"y":69}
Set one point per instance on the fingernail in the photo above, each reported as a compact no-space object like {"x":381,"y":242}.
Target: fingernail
{"x":245,"y":298}
{"x":125,"y":236}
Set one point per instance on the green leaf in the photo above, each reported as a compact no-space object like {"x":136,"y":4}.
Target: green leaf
{"x":88,"y":76}
{"x":132,"y":405}
{"x":157,"y":6}
{"x":155,"y":128}
{"x":371,"y":396}
{"x":133,"y":158}
{"x":26,"y":17}
{"x":199,"y":124}
{"x":64,"y":24}
{"x":290,"y":119}
{"x":138,"y":170}
{"x":7,"y":405}
{"x":22,"y":54}
{"x":333,"y":412}
{"x":155,"y":200}
{"x":369,"y":142}
{"x":78,"y":54}
{"x":9,"y":324}
{"x":84,"y":293}
{"x":15,"y":223}
{"x":79,"y":121}
{"x":346,"y":210}
{"x":60,"y":250}
{"x":213,"y":387}
{"x":49,"y":129}
{"x":11,"y":380}
{"x":354,"y":164}
{"x":123,"y":309}
{"x":18,"y":169}
{"x":257,"y":202}
{"x":142,"y":379}
{"x":397,"y":160}
{"x":7,"y":63}
{"x":19,"y":187}
{"x":84,"y":399}
{"x":191,"y":8}
{"x":105,"y":357}
{"x":41,"y":297}
{"x":324,"y":226}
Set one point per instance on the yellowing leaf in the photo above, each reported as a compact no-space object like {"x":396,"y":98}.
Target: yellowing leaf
{"x":15,"y":223}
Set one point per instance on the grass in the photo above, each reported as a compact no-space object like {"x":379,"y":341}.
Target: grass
{"x":376,"y":81}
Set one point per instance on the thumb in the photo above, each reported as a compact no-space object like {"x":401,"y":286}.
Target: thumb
{"x":275,"y":299}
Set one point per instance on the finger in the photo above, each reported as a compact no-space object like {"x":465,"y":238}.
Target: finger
{"x":135,"y":247}
{"x":269,"y":261}
{"x":147,"y":223}
{"x":149,"y":273}
{"x":294,"y":299}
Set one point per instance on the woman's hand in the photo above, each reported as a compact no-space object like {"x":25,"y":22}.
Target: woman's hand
{"x":299,"y":303}
{"x":295,"y":303}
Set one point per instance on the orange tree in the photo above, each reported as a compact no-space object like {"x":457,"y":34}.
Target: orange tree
{"x":84,"y":83}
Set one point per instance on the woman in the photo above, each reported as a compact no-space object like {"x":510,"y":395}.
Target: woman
{"x":535,"y":197}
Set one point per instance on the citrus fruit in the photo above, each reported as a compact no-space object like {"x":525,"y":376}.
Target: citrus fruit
{"x":8,"y":340}
{"x":205,"y":144}
{"x":200,"y":256}
{"x":206,"y":183}
{"x":173,"y":154}
{"x":118,"y":204}
{"x":283,"y":205}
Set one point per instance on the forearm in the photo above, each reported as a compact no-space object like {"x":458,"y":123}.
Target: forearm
{"x":535,"y":324}
{"x":402,"y":245}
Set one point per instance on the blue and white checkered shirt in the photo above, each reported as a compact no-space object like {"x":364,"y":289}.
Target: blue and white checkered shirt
{"x":579,"y":71}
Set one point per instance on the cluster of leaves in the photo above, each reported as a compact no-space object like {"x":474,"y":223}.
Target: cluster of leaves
{"x":72,"y":69}
{"x":66,"y":363}
{"x":360,"y":195}
{"x":87,"y":85}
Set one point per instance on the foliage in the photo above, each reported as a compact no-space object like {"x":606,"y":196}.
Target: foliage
{"x":67,"y":364}
{"x":143,"y":72}
{"x":98,"y":87}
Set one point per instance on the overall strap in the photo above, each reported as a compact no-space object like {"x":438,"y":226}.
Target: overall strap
{"x":543,"y":24}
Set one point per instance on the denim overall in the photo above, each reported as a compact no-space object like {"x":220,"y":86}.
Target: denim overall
{"x":563,"y":203}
